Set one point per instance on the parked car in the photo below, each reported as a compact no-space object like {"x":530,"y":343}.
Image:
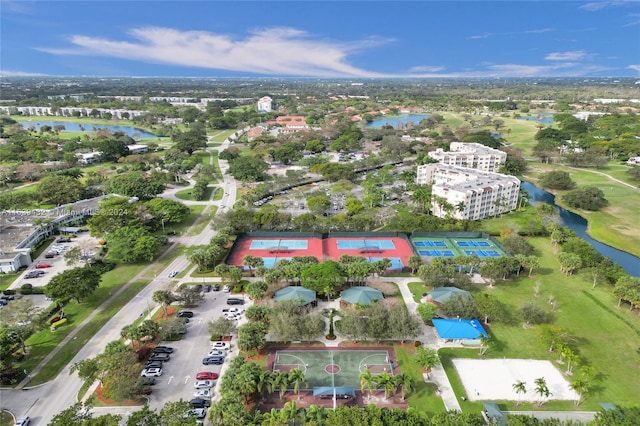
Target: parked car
{"x":206,"y":375}
{"x":198,"y":413}
{"x":217,"y":352}
{"x":237,"y":311}
{"x":204,"y":384}
{"x":163,"y":350}
{"x":3,"y":302}
{"x":235,"y":301}
{"x":203,"y":393}
{"x":215,"y":360}
{"x":225,"y":346}
{"x":226,"y":288}
{"x":200,"y":403}
{"x":231,"y":317}
{"x":198,"y":288}
{"x":23,"y":421}
{"x":50,"y":255}
{"x":153,"y":364}
{"x":43,"y":265}
{"x":185,"y":314}
{"x":151,"y":372}
{"x":207,"y":288}
{"x":63,"y":240}
{"x":164,"y":357}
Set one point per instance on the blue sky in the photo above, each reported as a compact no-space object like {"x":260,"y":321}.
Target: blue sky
{"x":356,"y":39}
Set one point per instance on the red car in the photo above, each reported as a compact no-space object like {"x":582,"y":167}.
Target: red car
{"x":43,"y":265}
{"x":207,"y":375}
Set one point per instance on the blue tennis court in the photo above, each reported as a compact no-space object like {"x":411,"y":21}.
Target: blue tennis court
{"x":473,"y":244}
{"x":269,"y":262}
{"x":362,"y":244}
{"x":436,"y":253}
{"x":483,"y":253}
{"x":396,"y":262}
{"x":269,"y":244}
{"x":429,"y":243}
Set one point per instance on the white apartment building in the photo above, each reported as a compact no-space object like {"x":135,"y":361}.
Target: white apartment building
{"x":470,"y":194}
{"x":472,"y":155}
{"x":122,"y":114}
{"x":264,"y":104}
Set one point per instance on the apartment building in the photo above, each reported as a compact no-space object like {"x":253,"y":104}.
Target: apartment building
{"x":470,"y":194}
{"x":472,"y":155}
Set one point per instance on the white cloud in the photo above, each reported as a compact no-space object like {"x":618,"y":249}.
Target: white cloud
{"x":487,"y":35}
{"x":634,"y":67}
{"x":271,"y":51}
{"x":566,"y":56}
{"x":598,"y":5}
{"x":11,"y":73}
{"x":426,"y":68}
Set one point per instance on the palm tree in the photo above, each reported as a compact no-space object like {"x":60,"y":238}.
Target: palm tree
{"x":271,"y":418}
{"x":542,"y":390}
{"x":366,"y":379}
{"x":520,"y":388}
{"x":406,"y":381}
{"x":164,"y":298}
{"x":290,"y":412}
{"x":384,"y":381}
{"x":265,"y":380}
{"x":296,"y":376}
{"x":317,"y":414}
{"x":281,"y":382}
{"x":485,"y":344}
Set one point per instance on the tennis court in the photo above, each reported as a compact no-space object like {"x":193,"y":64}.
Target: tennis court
{"x":356,"y":244}
{"x":396,"y":262}
{"x":483,"y":253}
{"x":269,"y":262}
{"x":470,"y":243}
{"x":273,"y":243}
{"x":333,"y":368}
{"x":436,"y":253}
{"x":429,"y":243}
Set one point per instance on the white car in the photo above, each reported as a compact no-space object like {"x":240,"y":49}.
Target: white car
{"x":151,"y":372}
{"x":203,"y":393}
{"x":220,"y":345}
{"x":230,"y":316}
{"x":204,"y":384}
{"x":235,"y":311}
{"x":217,"y":352}
{"x":23,"y":421}
{"x":173,"y":274}
{"x":226,"y":289}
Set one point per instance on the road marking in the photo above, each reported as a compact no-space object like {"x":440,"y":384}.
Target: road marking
{"x":186,"y":379}
{"x":170,"y":379}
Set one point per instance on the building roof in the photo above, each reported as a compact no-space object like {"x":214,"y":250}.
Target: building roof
{"x":493,"y":411}
{"x":301,"y":294}
{"x":442,"y":294}
{"x":361,"y":295}
{"x":459,"y":328}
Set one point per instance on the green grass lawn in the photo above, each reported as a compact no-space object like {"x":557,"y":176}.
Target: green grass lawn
{"x":607,"y":337}
{"x":206,"y":219}
{"x":220,"y":136}
{"x":423,"y":397}
{"x":7,"y":279}
{"x":43,"y":342}
{"x":417,"y":289}
{"x":6,"y":419}
{"x":618,"y":224}
{"x":185,"y":194}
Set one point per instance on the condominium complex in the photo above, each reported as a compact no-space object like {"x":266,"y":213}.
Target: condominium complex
{"x":472,"y":155}
{"x":465,"y":193}
{"x":264,"y":104}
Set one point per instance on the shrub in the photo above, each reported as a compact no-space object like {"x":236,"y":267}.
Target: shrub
{"x":26,"y":289}
{"x":417,"y":343}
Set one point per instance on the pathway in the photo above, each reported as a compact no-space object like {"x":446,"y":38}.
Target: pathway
{"x":604,"y":174}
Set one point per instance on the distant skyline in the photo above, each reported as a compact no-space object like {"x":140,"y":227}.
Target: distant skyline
{"x":324,"y":39}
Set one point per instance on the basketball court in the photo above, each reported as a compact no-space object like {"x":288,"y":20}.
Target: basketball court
{"x":333,"y":367}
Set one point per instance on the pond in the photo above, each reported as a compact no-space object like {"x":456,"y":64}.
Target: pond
{"x":70,"y":126}
{"x":544,"y":119}
{"x":400,"y":119}
{"x":578,"y":224}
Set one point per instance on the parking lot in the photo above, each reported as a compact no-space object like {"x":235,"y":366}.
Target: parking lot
{"x":84,"y":241}
{"x":178,"y":375}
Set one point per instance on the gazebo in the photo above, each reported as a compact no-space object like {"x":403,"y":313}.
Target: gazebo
{"x":493,"y":414}
{"x":442,"y":294}
{"x":301,"y":294}
{"x":461,"y":331}
{"x":361,"y":295}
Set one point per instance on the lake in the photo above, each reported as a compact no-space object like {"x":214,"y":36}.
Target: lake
{"x":70,"y":126}
{"x":539,"y":118}
{"x":578,"y":224}
{"x":396,"y":120}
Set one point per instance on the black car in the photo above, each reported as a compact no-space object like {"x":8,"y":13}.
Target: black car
{"x":207,"y":288}
{"x":200,"y":403}
{"x":63,"y":240}
{"x":215,"y":360}
{"x":163,"y":350}
{"x":153,"y":364}
{"x":185,"y":314}
{"x":234,"y":301}
{"x":199,"y":288}
{"x":160,"y":357}
{"x":215,"y":287}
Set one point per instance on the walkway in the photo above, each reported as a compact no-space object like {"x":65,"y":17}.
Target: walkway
{"x":604,"y":174}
